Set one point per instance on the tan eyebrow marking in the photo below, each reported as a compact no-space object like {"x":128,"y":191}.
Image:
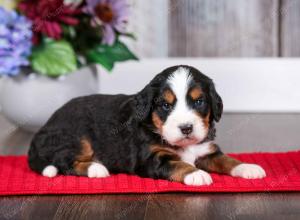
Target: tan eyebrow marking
{"x":196,"y":93}
{"x":169,"y":96}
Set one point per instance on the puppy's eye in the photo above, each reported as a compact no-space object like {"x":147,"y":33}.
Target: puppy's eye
{"x":166,"y":107}
{"x":199,"y":103}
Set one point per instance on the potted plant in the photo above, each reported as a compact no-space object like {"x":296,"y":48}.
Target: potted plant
{"x":48,"y":52}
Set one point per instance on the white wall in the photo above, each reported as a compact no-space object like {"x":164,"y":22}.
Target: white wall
{"x":246,"y":85}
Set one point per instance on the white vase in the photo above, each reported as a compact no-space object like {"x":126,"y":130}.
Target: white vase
{"x":28,"y":101}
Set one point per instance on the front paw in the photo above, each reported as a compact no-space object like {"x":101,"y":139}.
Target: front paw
{"x":248,"y":171}
{"x":198,"y":178}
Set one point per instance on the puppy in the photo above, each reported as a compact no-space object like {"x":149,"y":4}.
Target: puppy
{"x":165,"y":131}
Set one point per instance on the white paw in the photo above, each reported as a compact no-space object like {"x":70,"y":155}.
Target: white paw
{"x":97,"y":170}
{"x":198,"y":178}
{"x":248,"y":171}
{"x":50,"y":171}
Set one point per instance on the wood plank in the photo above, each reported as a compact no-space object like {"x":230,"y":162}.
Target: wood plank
{"x":28,"y":207}
{"x":102,"y":207}
{"x":290,"y":28}
{"x":224,"y":206}
{"x":11,"y":207}
{"x":40,"y":207}
{"x":174,"y":206}
{"x":271,"y":206}
{"x":74,"y":207}
{"x":227,"y":28}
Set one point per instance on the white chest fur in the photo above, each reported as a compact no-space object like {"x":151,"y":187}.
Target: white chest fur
{"x":191,"y":153}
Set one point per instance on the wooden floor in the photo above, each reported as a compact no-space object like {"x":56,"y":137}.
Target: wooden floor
{"x":236,"y":133}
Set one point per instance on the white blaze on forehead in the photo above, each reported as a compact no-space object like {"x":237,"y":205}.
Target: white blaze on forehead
{"x":179,"y":82}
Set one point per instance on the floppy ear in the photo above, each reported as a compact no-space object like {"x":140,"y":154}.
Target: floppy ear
{"x":143,"y":103}
{"x":216,"y":102}
{"x":144,"y":100}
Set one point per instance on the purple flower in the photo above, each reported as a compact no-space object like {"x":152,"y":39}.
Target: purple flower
{"x":15,"y":42}
{"x":111,"y":14}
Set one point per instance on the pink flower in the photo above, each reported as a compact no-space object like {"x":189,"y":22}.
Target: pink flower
{"x":111,"y":14}
{"x":47,"y":16}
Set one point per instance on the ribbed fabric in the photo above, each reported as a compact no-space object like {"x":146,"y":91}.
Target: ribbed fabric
{"x":283,"y":174}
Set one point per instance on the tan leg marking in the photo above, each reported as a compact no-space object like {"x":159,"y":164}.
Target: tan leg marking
{"x":217,"y":163}
{"x":179,"y":168}
{"x":85,"y":158}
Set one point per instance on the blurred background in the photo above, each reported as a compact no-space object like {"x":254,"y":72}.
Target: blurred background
{"x":216,"y":28}
{"x":249,"y":48}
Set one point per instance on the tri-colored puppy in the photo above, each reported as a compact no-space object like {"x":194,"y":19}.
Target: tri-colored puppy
{"x":165,"y":131}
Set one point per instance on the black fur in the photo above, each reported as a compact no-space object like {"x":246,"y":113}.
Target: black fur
{"x":119,"y":128}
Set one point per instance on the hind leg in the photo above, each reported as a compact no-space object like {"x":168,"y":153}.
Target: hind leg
{"x":91,"y":169}
{"x":69,"y":158}
{"x":86,"y":164}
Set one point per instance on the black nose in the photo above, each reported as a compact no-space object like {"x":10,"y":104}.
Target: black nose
{"x":186,"y":129}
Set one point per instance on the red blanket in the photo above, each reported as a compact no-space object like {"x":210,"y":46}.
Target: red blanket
{"x":283,"y":174}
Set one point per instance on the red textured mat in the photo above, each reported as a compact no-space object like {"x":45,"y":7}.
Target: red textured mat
{"x":283,"y":174}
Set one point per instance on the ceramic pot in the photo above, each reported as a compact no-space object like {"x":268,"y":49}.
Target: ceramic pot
{"x":29,"y":100}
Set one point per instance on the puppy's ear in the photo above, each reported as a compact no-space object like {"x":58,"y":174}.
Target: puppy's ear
{"x":143,"y":103}
{"x":144,"y":100}
{"x":216,"y":102}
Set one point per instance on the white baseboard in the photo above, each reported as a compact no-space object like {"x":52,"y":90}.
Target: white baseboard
{"x":245,"y":84}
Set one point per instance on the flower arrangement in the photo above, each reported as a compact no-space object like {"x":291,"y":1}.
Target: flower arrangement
{"x":15,"y":42}
{"x":57,"y":37}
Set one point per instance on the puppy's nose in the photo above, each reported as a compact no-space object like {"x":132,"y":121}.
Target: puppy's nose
{"x":186,"y":129}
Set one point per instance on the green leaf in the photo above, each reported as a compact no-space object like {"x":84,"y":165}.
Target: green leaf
{"x":106,"y":55}
{"x":54,"y":58}
{"x":94,"y":56}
